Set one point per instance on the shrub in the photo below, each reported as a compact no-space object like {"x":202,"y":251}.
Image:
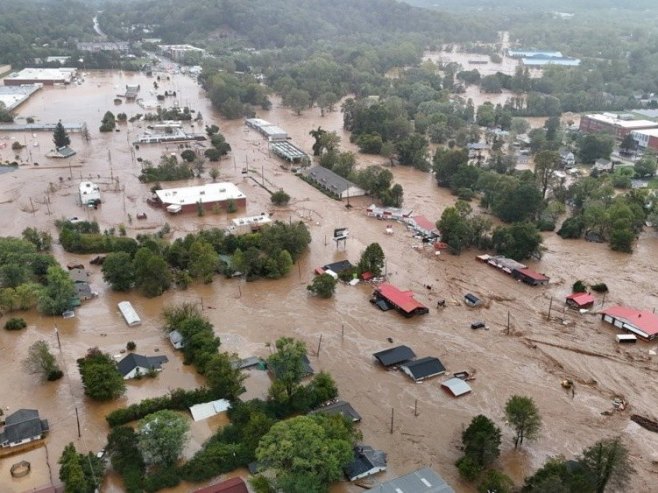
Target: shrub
{"x":131,"y":346}
{"x":15,"y":324}
{"x":468,"y":468}
{"x":280,"y":198}
{"x":579,"y":287}
{"x":54,"y":375}
{"x":600,"y":287}
{"x":231,"y":206}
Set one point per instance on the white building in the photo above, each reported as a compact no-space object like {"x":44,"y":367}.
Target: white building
{"x":129,"y":314}
{"x":207,"y":196}
{"x":90,"y":193}
{"x":242,"y":225}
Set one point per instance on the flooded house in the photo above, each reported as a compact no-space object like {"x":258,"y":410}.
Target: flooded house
{"x":394,"y":356}
{"x":90,"y":193}
{"x":333,"y":184}
{"x":342,"y":408}
{"x":423,"y":480}
{"x":136,"y":365}
{"x":530,"y":277}
{"x":387,"y":296}
{"x":367,"y":461}
{"x":23,"y":426}
{"x":642,"y":323}
{"x":580,"y":301}
{"x":423,"y":368}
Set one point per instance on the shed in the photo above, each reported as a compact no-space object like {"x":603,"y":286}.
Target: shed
{"x":423,"y":368}
{"x":580,"y":300}
{"x":395,"y":355}
{"x":207,"y":409}
{"x":421,"y":481}
{"x":456,"y":386}
{"x":129,"y":313}
{"x":343,"y":408}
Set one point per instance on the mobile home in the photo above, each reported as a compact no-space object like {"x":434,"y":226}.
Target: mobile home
{"x":129,"y":314}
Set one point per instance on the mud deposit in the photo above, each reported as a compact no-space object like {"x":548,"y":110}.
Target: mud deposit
{"x":531,"y":360}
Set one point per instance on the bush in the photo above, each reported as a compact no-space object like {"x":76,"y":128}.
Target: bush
{"x":131,"y":346}
{"x":15,"y":324}
{"x":188,"y":155}
{"x":280,"y":198}
{"x":468,"y":468}
{"x":231,"y":206}
{"x":54,"y":375}
{"x":572,"y":228}
{"x":600,"y":287}
{"x":579,"y":287}
{"x":546,"y":224}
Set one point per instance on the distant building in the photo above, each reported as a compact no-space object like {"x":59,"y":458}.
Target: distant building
{"x":188,"y":199}
{"x":332,"y":183}
{"x":14,"y":96}
{"x":22,"y":427}
{"x":423,"y":226}
{"x":270,"y":131}
{"x":98,"y":46}
{"x":567,"y":158}
{"x":523,"y":53}
{"x":178,"y":52}
{"x":45,"y":76}
{"x":616,"y":125}
{"x":539,"y":58}
{"x":530,"y":277}
{"x":646,"y":139}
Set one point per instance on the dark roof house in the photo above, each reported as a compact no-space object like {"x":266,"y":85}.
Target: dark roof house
{"x":23,"y":426}
{"x":134,"y":365}
{"x":340,"y":407}
{"x":421,"y":481}
{"x":367,"y":461}
{"x":395,"y":355}
{"x":423,"y":368}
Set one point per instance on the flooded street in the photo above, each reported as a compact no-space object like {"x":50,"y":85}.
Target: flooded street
{"x":531,"y":360}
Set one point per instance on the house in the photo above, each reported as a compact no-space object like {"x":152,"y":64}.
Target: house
{"x":616,"y":125}
{"x":640,"y":322}
{"x":340,"y":407}
{"x":472,"y":300}
{"x":22,"y":427}
{"x":421,"y":481}
{"x":233,"y":485}
{"x":335,"y":267}
{"x":456,"y":386}
{"x":580,"y":301}
{"x":367,"y":461}
{"x":423,"y":226}
{"x":206,"y":196}
{"x":567,"y":158}
{"x":530,"y":277}
{"x":135,"y":365}
{"x":208,"y":409}
{"x":403,"y":301}
{"x":176,"y":339}
{"x":395,"y":356}
{"x":334,"y":184}
{"x":90,"y":193}
{"x":83,"y":291}
{"x":423,"y":368}
{"x":602,"y":166}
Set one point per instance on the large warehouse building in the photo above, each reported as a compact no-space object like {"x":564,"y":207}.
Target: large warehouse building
{"x":45,"y":76}
{"x":616,"y":125}
{"x":188,"y":199}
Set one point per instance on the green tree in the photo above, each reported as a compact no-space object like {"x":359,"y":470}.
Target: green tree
{"x":495,"y":481}
{"x":118,"y":271}
{"x":558,"y":476}
{"x":203,"y":261}
{"x":288,"y":365}
{"x":595,"y":146}
{"x":212,"y":154}
{"x":280,"y":198}
{"x":60,"y":137}
{"x":42,"y":240}
{"x":79,"y":473}
{"x":126,"y":458}
{"x":41,"y":361}
{"x":455,"y":230}
{"x":307,"y":453}
{"x":523,"y":416}
{"x":628,"y":144}
{"x":100,"y":377}
{"x":546,"y":163}
{"x":323,"y":286}
{"x":372,"y":260}
{"x":188,"y":155}
{"x":108,"y":123}
{"x":152,"y":274}
{"x":224,"y":377}
{"x":412,"y":151}
{"x":298,"y":100}
{"x":58,"y":294}
{"x":646,"y":167}
{"x":5,"y":114}
{"x":519,"y":241}
{"x":607,"y":464}
{"x":481,"y":441}
{"x":162,"y":436}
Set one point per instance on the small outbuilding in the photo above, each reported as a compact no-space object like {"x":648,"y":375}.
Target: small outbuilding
{"x":233,"y":485}
{"x":423,"y":368}
{"x":176,"y":339}
{"x":208,"y":409}
{"x":90,"y":193}
{"x":580,"y":301}
{"x":456,"y":386}
{"x":129,"y":314}
{"x":394,"y":356}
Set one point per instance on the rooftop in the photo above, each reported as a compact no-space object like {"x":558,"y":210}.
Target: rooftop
{"x":133,"y":360}
{"x":613,"y":119}
{"x":581,"y":299}
{"x":233,"y":485}
{"x":46,"y":74}
{"x":456,"y":386}
{"x":532,"y":274}
{"x":330,"y":180}
{"x":13,"y":96}
{"x":395,"y":355}
{"x":211,"y":192}
{"x":421,"y":481}
{"x":643,"y":320}
{"x":22,"y":425}
{"x":424,"y":223}
{"x":343,"y":408}
{"x":650,"y":132}
{"x":424,"y":368}
{"x":404,"y":300}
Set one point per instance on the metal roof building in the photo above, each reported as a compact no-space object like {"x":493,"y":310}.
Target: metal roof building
{"x":332,"y":183}
{"x":289,"y":152}
{"x":421,"y":481}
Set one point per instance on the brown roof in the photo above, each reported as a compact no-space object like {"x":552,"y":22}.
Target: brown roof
{"x":233,"y":485}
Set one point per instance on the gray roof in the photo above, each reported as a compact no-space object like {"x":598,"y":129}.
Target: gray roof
{"x":329,"y":180}
{"x":421,"y":481}
{"x":287,"y":150}
{"x":83,"y":290}
{"x":343,"y":408}
{"x":456,"y":386}
{"x":176,"y":339}
{"x":424,"y":368}
{"x":395,"y":355}
{"x":132,"y":361}
{"x":79,"y":275}
{"x":22,"y":425}
{"x":367,"y":461}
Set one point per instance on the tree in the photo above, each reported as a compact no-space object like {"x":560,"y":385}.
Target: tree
{"x":481,"y":441}
{"x":628,"y":144}
{"x":595,"y":146}
{"x":119,"y":271}
{"x":126,"y":457}
{"x":152,"y":274}
{"x":56,"y":297}
{"x":224,"y":377}
{"x":372,"y":260}
{"x":100,"y":377}
{"x":203,"y":261}
{"x":307,"y":453}
{"x":495,"y":481}
{"x":108,"y":123}
{"x":42,"y":240}
{"x":558,"y":476}
{"x":280,"y":198}
{"x":188,"y":155}
{"x":523,"y":416}
{"x":214,"y":174}
{"x":60,"y":137}
{"x":40,"y":360}
{"x":455,"y":230}
{"x":298,"y":100}
{"x":546,"y":163}
{"x":80,"y":473}
{"x":519,"y":241}
{"x":317,"y":135}
{"x":162,"y":436}
{"x":607,"y":464}
{"x":288,"y":364}
{"x":323,"y":286}
{"x":5,"y":114}
{"x":212,"y":154}
{"x":412,"y":151}
{"x":646,"y":167}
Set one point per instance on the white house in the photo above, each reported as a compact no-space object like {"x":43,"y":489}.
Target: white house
{"x":135,"y":365}
{"x":22,"y":427}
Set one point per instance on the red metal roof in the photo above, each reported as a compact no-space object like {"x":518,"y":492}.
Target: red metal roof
{"x":404,"y":300}
{"x":233,"y":485}
{"x":424,"y":223}
{"x":533,"y":275}
{"x":581,"y":299}
{"x":645,"y":321}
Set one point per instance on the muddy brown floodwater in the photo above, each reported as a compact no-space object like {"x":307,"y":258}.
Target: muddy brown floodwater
{"x":531,"y":360}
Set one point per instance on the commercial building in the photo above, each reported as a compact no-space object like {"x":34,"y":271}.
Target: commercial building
{"x":646,"y":139}
{"x":13,"y":96}
{"x":98,"y":46}
{"x":403,"y":301}
{"x":178,"y":52}
{"x":188,"y":199}
{"x":242,"y":225}
{"x":45,"y":76}
{"x":333,"y":184}
{"x":640,"y":322}
{"x":270,"y":131}
{"x":616,"y":125}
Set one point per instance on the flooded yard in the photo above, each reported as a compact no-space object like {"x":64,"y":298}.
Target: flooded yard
{"x":529,"y":359}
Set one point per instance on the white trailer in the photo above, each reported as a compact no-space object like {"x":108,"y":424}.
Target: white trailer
{"x":129,"y":314}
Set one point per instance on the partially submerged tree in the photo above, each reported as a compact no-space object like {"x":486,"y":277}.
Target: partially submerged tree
{"x":607,"y":464}
{"x":523,"y":417}
{"x":118,"y":271}
{"x":162,"y":436}
{"x":41,"y":361}
{"x":80,"y":473}
{"x":372,"y":260}
{"x":224,"y":376}
{"x":280,"y":198}
{"x":288,"y":364}
{"x":322,"y":286}
{"x":60,"y":137}
{"x":100,"y":377}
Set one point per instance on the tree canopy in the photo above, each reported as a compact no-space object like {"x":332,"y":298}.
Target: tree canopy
{"x":162,"y":436}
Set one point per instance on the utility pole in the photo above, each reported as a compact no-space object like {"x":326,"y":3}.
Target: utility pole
{"x":550,"y":305}
{"x":507,"y":332}
{"x":59,"y":343}
{"x":319,"y":345}
{"x":77,"y":418}
{"x":416,"y":408}
{"x":32,"y":205}
{"x":392,"y":419}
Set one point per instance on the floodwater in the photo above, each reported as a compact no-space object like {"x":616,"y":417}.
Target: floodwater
{"x":531,"y":360}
